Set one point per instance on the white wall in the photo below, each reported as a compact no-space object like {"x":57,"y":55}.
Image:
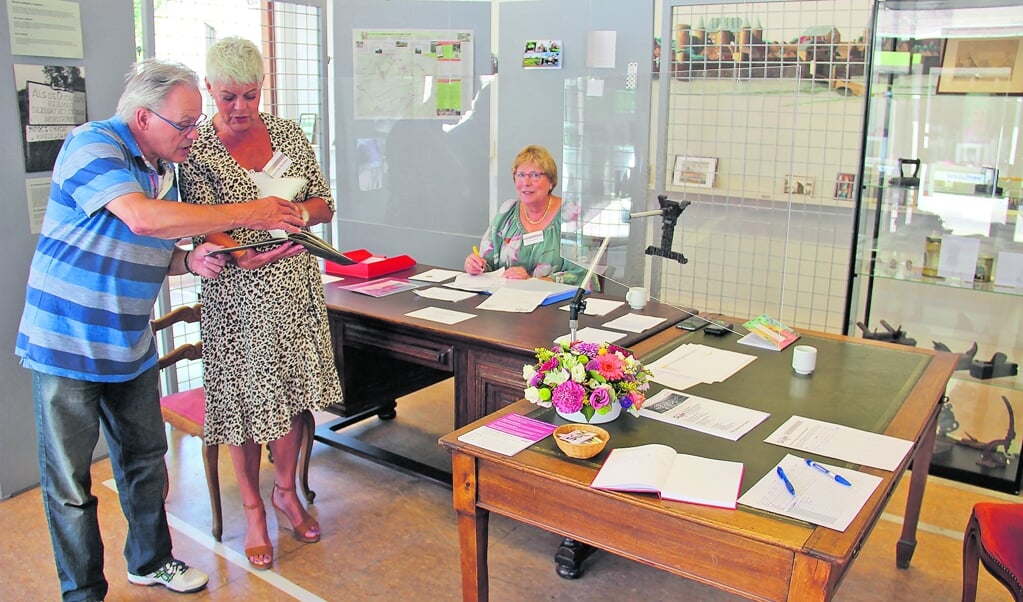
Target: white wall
{"x":108,"y":38}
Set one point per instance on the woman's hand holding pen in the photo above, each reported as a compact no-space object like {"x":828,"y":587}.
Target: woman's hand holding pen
{"x":474,"y":263}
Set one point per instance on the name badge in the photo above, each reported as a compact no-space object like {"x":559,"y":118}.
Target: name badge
{"x":532,"y":238}
{"x":277,"y":165}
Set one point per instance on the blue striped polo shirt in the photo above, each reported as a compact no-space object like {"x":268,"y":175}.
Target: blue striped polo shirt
{"x":93,"y":282}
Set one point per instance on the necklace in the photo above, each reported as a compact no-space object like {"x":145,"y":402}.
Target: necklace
{"x":525,"y":212}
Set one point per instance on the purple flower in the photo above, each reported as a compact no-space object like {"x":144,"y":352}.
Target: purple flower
{"x":568,"y":397}
{"x":587,"y":349}
{"x":600,"y":397}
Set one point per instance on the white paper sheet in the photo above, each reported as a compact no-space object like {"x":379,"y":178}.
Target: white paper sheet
{"x":436,"y":314}
{"x":841,"y":442}
{"x":436,"y":275}
{"x":594,"y":307}
{"x":700,"y":362}
{"x":514,"y":300}
{"x":819,"y":499}
{"x":592,"y":335}
{"x":634,"y":322}
{"x":444,"y":294}
{"x":704,"y":415}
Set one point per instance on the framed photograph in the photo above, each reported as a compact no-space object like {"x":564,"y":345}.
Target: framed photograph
{"x":799,"y":185}
{"x":845,"y":186}
{"x":982,"y":66}
{"x":694,"y":171}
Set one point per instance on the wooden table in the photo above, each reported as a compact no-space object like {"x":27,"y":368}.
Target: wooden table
{"x":875,"y":386}
{"x":383,"y":354}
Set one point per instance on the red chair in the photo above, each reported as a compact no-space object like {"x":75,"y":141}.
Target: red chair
{"x":994,"y":536}
{"x":186,"y":411}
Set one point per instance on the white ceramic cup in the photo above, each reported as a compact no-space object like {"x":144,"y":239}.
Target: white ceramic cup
{"x":637,"y":297}
{"x":804,"y":359}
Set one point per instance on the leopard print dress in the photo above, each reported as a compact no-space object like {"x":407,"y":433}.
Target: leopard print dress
{"x":267,"y":352}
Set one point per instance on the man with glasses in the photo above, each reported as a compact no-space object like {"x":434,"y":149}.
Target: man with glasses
{"x":108,"y":241}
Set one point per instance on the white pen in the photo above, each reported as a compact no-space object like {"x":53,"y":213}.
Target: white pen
{"x":838,"y":478}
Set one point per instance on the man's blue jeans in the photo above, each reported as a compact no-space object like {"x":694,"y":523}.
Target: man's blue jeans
{"x":68,"y":417}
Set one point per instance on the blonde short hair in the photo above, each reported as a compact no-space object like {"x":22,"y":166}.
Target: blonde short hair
{"x":234,"y":60}
{"x":539,"y":156}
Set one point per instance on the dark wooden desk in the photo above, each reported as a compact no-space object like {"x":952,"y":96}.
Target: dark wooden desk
{"x":382,"y":354}
{"x":879,"y":387}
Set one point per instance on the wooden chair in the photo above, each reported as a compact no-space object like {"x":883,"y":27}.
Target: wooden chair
{"x":186,"y":411}
{"x":994,"y":537}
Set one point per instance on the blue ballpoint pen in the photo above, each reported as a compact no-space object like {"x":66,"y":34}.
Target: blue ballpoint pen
{"x":785,"y":479}
{"x":839,"y":478}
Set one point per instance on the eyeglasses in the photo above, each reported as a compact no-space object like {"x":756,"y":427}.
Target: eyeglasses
{"x":533,"y":176}
{"x":184,"y":130}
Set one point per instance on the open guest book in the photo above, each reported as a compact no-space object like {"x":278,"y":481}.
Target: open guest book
{"x":656,"y":468}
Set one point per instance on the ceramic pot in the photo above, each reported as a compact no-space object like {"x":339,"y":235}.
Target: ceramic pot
{"x":616,"y":411}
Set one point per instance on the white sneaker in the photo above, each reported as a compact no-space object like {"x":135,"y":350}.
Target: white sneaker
{"x":175,"y":576}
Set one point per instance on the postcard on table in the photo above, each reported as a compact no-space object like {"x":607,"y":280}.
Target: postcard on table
{"x":815,"y":495}
{"x":841,"y":442}
{"x":656,"y":468}
{"x":382,"y":288}
{"x":704,"y":415}
{"x":509,"y":434}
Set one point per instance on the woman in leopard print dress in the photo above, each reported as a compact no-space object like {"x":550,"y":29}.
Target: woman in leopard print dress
{"x":267,"y":353}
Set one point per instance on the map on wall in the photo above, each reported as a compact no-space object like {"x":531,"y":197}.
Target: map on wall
{"x":411,"y":74}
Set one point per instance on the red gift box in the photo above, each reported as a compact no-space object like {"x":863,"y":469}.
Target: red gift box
{"x":368,"y":265}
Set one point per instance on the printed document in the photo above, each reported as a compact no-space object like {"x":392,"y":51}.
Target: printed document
{"x":509,"y":434}
{"x":693,"y":363}
{"x":598,"y":307}
{"x":842,"y":442}
{"x":444,"y":316}
{"x":818,"y":497}
{"x":704,"y":415}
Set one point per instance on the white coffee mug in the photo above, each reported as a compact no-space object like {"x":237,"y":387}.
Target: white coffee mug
{"x":637,"y":297}
{"x":804,"y":359}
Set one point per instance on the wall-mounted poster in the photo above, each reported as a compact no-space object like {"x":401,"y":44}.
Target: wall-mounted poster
{"x":845,"y":186}
{"x":51,"y":102}
{"x":412,"y":73}
{"x":694,"y":171}
{"x":542,"y":54}
{"x":798,"y":185}
{"x":45,"y":28}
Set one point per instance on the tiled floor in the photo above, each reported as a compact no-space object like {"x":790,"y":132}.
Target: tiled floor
{"x":389,"y":535}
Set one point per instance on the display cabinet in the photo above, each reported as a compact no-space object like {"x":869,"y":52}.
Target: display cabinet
{"x":938,"y":260}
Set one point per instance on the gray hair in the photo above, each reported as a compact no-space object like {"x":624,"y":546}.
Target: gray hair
{"x":234,"y":60}
{"x":148,"y":83}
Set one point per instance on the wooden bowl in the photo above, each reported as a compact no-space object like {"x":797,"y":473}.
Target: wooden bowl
{"x":584,"y":450}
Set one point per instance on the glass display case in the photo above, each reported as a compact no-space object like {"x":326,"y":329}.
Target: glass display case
{"x":939,"y":250}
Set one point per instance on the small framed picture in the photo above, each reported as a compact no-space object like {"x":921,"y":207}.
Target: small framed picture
{"x":845,"y":186}
{"x":694,"y":171}
{"x":799,"y":185}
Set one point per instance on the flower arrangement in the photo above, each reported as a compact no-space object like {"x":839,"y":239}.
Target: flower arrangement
{"x":586,"y":377}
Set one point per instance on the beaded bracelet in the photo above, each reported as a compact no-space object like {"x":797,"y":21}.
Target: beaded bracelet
{"x":188,"y":267}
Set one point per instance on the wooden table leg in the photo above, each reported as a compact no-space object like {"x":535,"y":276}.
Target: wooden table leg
{"x":906,"y":545}
{"x":473,"y":525}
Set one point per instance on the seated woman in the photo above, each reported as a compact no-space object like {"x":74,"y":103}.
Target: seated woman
{"x":525,"y":235}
